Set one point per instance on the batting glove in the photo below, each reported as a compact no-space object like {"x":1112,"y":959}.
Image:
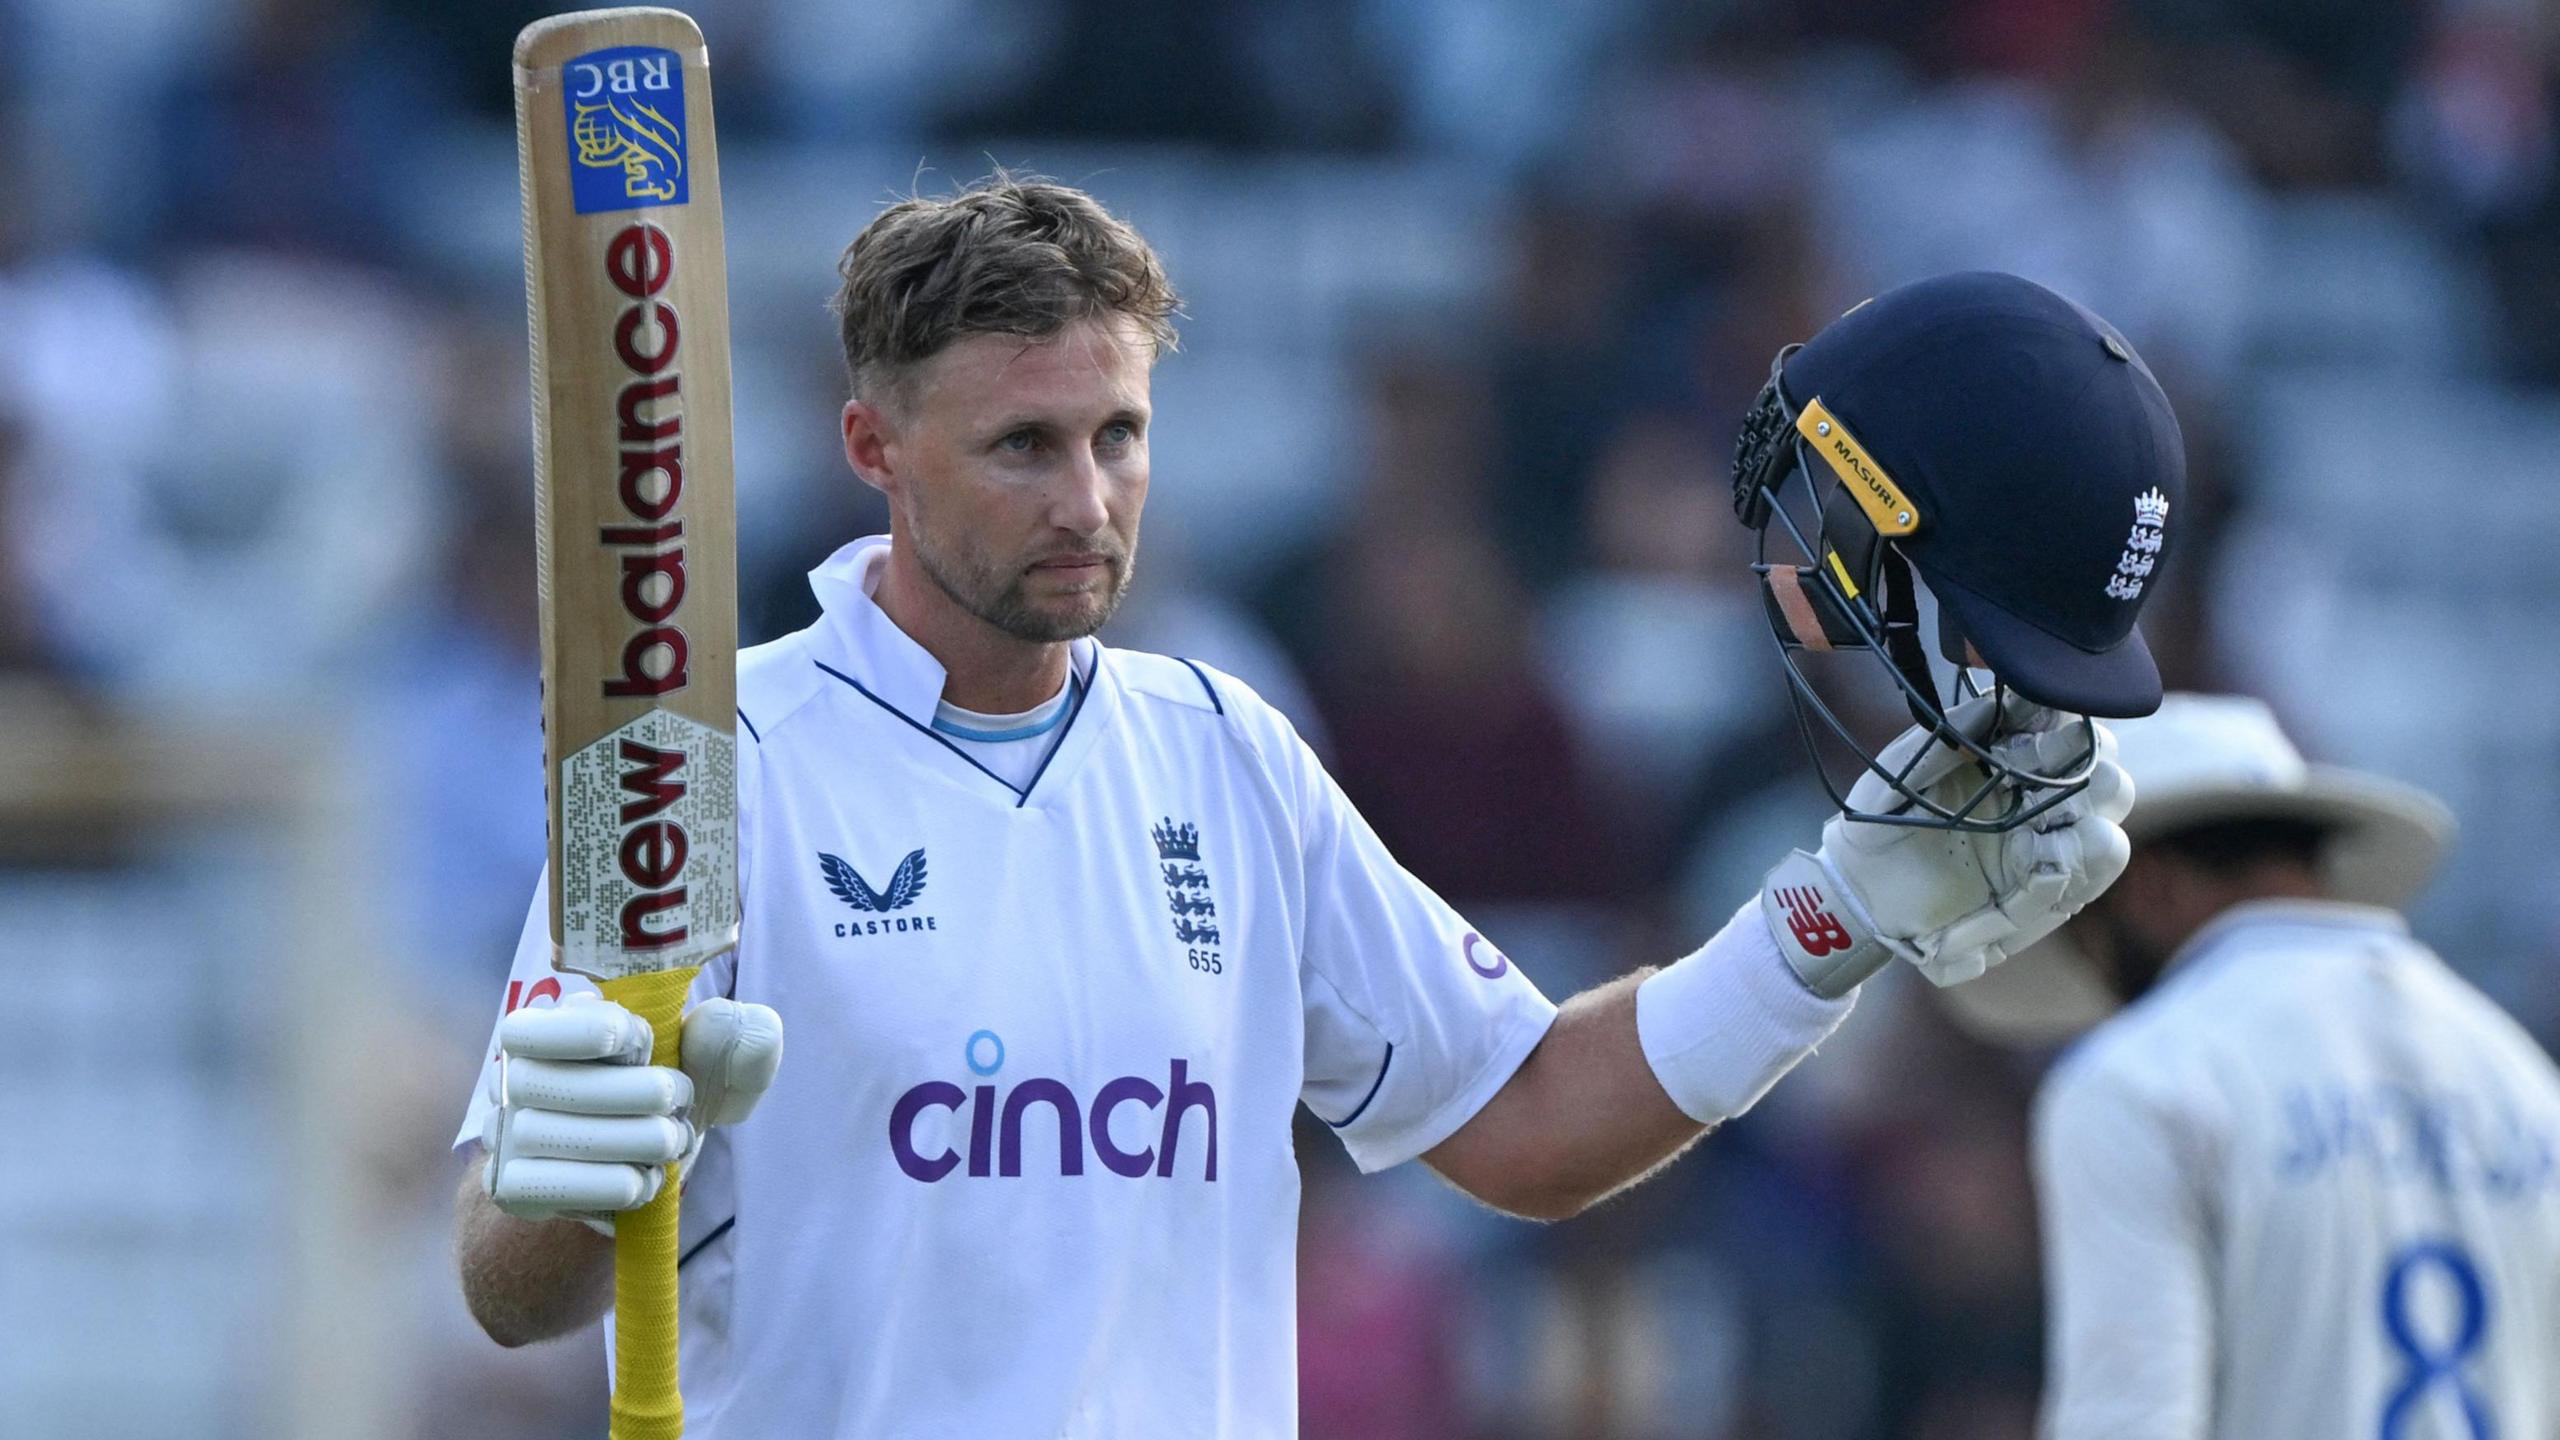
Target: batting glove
{"x":584,"y":1127}
{"x":1951,"y":902}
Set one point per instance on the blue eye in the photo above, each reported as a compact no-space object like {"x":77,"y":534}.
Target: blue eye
{"x":1019,"y":442}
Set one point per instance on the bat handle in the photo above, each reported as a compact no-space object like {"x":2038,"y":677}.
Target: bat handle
{"x":646,"y":1402}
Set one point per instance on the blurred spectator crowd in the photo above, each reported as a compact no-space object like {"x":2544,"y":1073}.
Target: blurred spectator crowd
{"x":1476,"y":292}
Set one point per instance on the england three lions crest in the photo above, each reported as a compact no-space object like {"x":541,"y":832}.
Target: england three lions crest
{"x":1186,"y":893}
{"x":2141,"y":547}
{"x":625,"y":110}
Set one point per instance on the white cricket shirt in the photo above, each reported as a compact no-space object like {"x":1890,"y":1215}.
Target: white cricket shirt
{"x":1027,"y":1169}
{"x":2304,"y":1188}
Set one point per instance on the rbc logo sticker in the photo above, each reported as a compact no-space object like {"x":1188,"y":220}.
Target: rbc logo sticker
{"x":625,"y":108}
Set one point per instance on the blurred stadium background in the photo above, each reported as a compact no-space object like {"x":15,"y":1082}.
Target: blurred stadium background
{"x":1476,"y":292}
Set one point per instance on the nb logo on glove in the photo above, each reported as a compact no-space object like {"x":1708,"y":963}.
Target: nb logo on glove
{"x":1816,"y":929}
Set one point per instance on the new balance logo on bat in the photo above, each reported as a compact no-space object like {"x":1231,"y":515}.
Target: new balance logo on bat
{"x":641,"y":261}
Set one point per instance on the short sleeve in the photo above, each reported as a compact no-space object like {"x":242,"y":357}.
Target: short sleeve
{"x":532,"y":981}
{"x":2129,"y":1302}
{"x":1414,"y":1019}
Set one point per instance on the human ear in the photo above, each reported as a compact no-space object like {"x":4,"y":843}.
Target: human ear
{"x":871,"y":446}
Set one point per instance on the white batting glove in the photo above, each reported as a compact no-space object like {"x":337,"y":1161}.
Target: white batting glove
{"x":584,"y":1127}
{"x":1953,"y":903}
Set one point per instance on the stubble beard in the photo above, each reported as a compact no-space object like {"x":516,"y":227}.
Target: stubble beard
{"x":999,"y":595}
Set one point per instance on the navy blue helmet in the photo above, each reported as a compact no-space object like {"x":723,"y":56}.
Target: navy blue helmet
{"x":1972,"y":477}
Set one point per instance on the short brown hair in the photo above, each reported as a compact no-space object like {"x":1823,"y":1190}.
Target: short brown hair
{"x":1005,"y":256}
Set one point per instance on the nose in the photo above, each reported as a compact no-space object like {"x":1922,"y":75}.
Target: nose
{"x":1079,"y":501}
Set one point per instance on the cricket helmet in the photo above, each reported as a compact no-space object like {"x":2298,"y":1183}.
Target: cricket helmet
{"x":1973,"y":478}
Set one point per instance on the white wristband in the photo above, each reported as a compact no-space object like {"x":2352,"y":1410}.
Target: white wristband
{"x":1723,"y":1024}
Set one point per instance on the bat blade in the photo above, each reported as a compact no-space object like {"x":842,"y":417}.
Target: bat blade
{"x":627,"y":300}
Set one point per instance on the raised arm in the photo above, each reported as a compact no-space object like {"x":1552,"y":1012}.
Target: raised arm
{"x":1532,"y":1151}
{"x":1634,"y":1070}
{"x":1587,"y":1115}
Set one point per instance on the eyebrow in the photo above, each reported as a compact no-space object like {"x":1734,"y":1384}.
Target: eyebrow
{"x":1125,"y":414}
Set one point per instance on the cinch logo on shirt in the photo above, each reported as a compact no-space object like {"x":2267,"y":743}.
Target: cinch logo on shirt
{"x":996,"y":1114}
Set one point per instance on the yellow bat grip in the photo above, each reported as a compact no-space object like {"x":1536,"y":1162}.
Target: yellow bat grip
{"x":646,"y":1402}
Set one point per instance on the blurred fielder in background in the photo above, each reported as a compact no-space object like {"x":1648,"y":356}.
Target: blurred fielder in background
{"x":2303,"y":1183}
{"x":1065,"y":934}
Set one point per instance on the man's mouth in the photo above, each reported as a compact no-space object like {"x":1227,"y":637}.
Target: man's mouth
{"x":1073,"y":566}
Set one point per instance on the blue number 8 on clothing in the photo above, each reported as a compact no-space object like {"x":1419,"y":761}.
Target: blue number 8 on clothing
{"x":2434,"y":1368}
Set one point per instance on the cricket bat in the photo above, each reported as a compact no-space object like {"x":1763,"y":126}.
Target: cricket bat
{"x":636,"y":540}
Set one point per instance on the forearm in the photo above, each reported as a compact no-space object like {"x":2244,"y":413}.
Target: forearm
{"x":528,"y":1280}
{"x":1583,"y":1117}
{"x":1635,"y":1070}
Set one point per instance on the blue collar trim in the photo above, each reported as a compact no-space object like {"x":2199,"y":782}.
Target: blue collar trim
{"x":1022,"y":794}
{"x":1056,"y":717}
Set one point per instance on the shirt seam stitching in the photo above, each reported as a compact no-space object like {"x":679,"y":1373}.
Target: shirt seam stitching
{"x":1374,"y":1087}
{"x":723,"y":1228}
{"x":1216,"y":704}
{"x":807,"y":690}
{"x":1458,"y":1094}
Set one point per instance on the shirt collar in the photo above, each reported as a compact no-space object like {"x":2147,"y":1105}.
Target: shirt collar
{"x":2254,"y":917}
{"x":859,"y":639}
